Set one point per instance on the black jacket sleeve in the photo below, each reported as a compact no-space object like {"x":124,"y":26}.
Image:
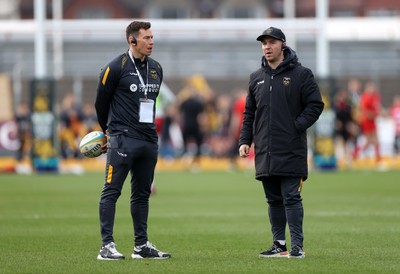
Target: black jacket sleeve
{"x":107,"y":83}
{"x":246,"y":132}
{"x":311,"y":99}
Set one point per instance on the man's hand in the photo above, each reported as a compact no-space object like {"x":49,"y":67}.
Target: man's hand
{"x":244,"y":151}
{"x":105,"y":146}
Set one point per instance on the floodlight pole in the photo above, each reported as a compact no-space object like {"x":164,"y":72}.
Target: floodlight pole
{"x":40,"y":39}
{"x":322,"y":9}
{"x":289,"y":12}
{"x":58,"y":39}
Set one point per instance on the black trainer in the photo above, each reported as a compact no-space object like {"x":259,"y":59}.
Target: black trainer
{"x":275,"y":251}
{"x":149,"y":251}
{"x":297,"y":252}
{"x":109,"y":252}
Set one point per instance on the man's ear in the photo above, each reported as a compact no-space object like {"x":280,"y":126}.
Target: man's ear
{"x":283,"y":46}
{"x":133,"y":40}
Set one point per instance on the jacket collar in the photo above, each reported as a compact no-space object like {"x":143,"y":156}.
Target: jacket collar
{"x":290,"y":60}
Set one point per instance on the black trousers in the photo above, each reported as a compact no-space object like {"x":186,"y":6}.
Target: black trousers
{"x":123,"y":155}
{"x":285,"y":207}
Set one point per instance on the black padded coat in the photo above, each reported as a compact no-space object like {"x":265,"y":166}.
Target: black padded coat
{"x":281,"y":105}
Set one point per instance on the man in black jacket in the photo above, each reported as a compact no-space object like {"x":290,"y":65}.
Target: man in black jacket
{"x":125,"y":107}
{"x":282,"y":102}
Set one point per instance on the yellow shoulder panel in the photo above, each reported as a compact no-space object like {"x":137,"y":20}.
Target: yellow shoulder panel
{"x":103,"y":81}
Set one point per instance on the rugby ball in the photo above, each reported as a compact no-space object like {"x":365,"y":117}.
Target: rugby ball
{"x":90,"y":145}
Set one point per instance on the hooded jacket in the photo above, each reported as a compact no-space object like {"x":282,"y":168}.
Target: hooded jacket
{"x":281,"y":105}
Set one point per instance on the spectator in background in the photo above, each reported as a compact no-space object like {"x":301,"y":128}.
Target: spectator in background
{"x":235,"y":126}
{"x":171,"y":144}
{"x":370,"y":104}
{"x":395,"y":115}
{"x":23,"y":120}
{"x":385,"y":129}
{"x":71,"y":125}
{"x":354,"y":91}
{"x":345,"y":127}
{"x":192,"y":112}
{"x":217,"y":137}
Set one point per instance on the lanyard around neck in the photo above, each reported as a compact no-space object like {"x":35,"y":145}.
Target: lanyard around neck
{"x":145,"y":87}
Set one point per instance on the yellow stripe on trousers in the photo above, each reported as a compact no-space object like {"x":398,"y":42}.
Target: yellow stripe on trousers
{"x":109,"y":174}
{"x":301,"y":185}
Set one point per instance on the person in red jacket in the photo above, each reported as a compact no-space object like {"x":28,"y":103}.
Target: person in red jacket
{"x":370,"y":105}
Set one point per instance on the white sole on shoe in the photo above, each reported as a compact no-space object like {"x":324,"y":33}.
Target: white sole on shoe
{"x":138,"y":257}
{"x":99,"y":257}
{"x":284,"y":255}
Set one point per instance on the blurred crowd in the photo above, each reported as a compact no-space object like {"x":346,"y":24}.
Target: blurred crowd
{"x":74,"y":122}
{"x":363,"y":126}
{"x":200,"y":122}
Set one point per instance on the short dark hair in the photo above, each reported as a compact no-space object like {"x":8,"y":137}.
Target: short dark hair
{"x":134,"y":28}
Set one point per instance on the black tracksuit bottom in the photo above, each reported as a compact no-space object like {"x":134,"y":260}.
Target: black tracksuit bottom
{"x":126,"y":155}
{"x":285,"y":207}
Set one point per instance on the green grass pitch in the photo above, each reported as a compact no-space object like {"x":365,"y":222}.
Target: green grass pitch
{"x":211,"y":222}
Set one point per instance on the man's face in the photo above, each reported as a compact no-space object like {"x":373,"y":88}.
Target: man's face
{"x":144,"y":42}
{"x":272,"y":49}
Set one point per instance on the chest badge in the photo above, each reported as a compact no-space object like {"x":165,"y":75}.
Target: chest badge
{"x":153,"y":74}
{"x":286,"y":81}
{"x":133,"y":87}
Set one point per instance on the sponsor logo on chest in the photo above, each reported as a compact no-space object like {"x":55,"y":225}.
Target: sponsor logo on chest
{"x":150,"y":88}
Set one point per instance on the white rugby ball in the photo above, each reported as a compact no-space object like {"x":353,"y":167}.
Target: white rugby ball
{"x":90,"y":145}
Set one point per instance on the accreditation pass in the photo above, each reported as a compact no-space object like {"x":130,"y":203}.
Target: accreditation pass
{"x":146,"y":110}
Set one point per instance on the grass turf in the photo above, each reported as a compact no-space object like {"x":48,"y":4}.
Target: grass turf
{"x":211,"y":222}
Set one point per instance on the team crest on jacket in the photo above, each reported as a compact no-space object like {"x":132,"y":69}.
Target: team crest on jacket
{"x":286,"y":81}
{"x":153,"y":74}
{"x":133,"y":87}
